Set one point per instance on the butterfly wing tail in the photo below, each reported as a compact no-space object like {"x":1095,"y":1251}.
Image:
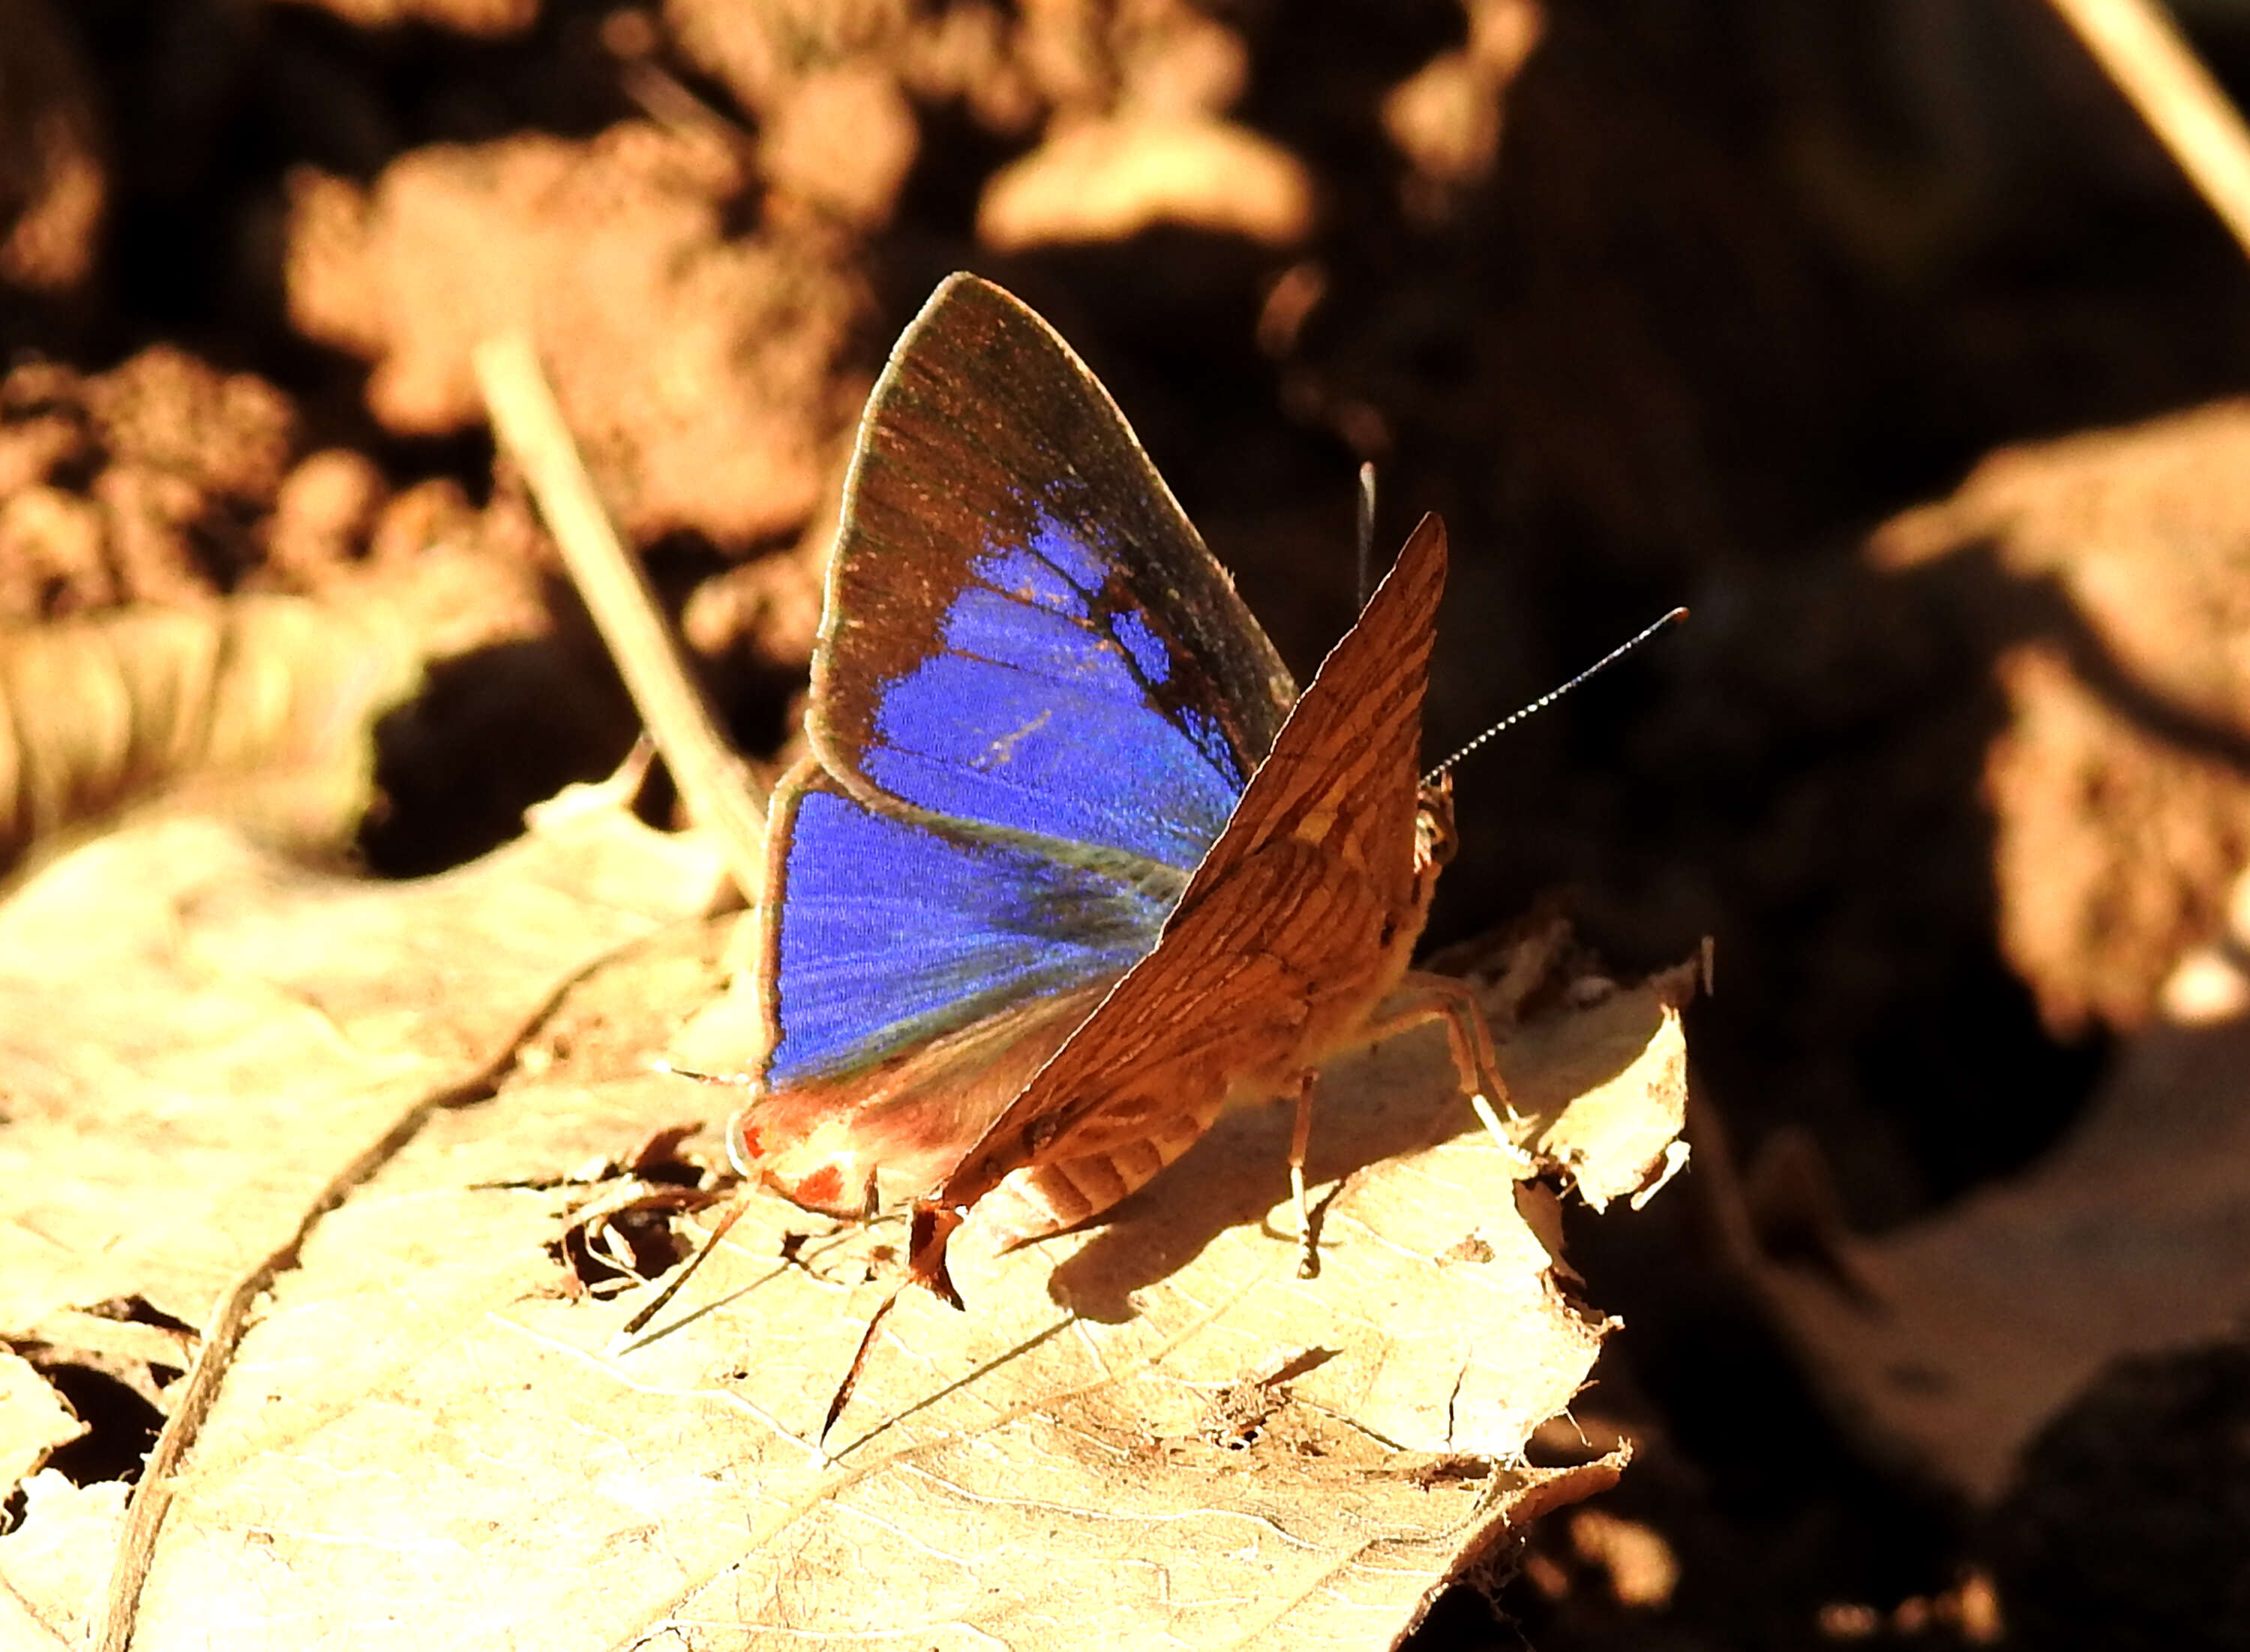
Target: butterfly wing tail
{"x":935,"y":1224}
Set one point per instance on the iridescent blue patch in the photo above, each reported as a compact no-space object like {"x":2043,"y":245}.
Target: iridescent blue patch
{"x":1053,"y":542}
{"x":1037,"y":715}
{"x":953,"y":927}
{"x":1146,"y":648}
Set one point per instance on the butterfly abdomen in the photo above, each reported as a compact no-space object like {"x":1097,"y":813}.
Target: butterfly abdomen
{"x":1045,"y":1199}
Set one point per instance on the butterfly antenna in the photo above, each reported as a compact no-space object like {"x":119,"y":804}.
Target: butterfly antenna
{"x":1366,"y":530}
{"x":1554,"y":694}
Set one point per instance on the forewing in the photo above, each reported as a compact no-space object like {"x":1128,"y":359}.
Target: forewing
{"x":1023,"y":630}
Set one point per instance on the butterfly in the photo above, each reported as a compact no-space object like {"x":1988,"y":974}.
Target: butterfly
{"x":1070,"y":866}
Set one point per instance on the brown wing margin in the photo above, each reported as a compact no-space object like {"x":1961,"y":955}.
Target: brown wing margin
{"x":1342,"y":779}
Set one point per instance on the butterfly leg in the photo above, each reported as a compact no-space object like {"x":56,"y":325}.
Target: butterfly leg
{"x":1443,"y":998}
{"x":843,"y":1389}
{"x":1300,"y":1138}
{"x":718,"y":1232}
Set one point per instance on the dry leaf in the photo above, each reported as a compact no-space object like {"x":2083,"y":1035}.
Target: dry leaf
{"x":425,"y":1439}
{"x":493,"y":20}
{"x":195,"y":1035}
{"x":1951,"y":1342}
{"x":58,"y":1552}
{"x":259,"y":709}
{"x":33,"y":1419}
{"x":2114,"y":601}
{"x":1613,"y":1088}
{"x":53,"y":186}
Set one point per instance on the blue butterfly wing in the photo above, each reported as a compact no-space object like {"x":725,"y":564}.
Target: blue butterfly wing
{"x":888,"y":931}
{"x":1036,"y":701}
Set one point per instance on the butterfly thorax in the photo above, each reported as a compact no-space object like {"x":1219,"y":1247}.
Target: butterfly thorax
{"x":1360,"y":978}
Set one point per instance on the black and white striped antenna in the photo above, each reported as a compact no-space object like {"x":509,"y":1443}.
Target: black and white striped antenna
{"x":1554,"y":694}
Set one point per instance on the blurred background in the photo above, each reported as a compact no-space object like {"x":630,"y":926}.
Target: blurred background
{"x":1883,"y":333}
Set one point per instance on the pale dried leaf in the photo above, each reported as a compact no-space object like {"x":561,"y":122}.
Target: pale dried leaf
{"x":426,"y":1439}
{"x":57,"y":1559}
{"x":33,"y":1419}
{"x":1623,"y":1088}
{"x":196,"y":1035}
{"x":1105,"y":180}
{"x":259,"y":709}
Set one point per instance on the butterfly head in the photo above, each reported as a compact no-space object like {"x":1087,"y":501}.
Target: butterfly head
{"x":1434,"y":844}
{"x":1435,"y":840}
